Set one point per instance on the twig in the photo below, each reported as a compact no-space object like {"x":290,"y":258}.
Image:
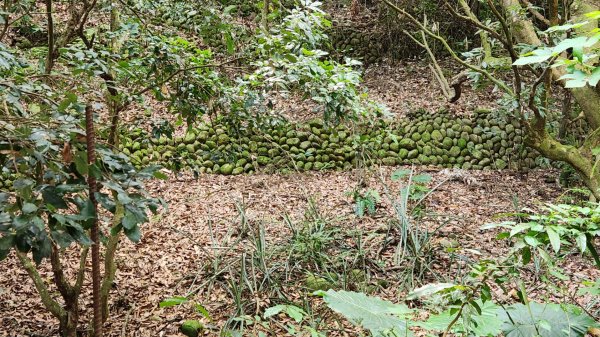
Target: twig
{"x":540,"y":79}
{"x":124,"y":328}
{"x":182,"y":70}
{"x":531,"y":9}
{"x":453,"y":54}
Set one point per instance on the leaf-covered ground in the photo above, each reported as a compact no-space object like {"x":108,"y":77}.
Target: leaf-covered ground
{"x":178,"y":247}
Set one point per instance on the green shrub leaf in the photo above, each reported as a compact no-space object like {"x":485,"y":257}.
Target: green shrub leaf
{"x":372,"y":313}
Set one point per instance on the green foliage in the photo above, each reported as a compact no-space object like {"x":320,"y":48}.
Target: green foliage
{"x":297,"y":327}
{"x":580,"y":63}
{"x":365,"y":202}
{"x":557,"y":226}
{"x":180,"y":300}
{"x":289,"y":60}
{"x":415,"y":187}
{"x":473,"y":322}
{"x":49,"y":201}
{"x":213,"y":22}
{"x":592,"y":288}
{"x":468,"y":308}
{"x":293,"y":311}
{"x":381,"y":318}
{"x":311,"y":241}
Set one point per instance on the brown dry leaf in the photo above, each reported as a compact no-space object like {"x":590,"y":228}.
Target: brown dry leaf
{"x":67,"y":154}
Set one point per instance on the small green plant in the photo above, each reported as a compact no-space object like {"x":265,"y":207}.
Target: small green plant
{"x":311,"y":239}
{"x":271,"y":323}
{"x":414,"y":251}
{"x":289,"y":59}
{"x":415,"y":185}
{"x":469,"y":316}
{"x":190,"y":328}
{"x":469,"y":308}
{"x":365,"y":203}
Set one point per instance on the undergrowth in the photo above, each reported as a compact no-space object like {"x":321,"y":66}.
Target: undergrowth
{"x":301,"y":282}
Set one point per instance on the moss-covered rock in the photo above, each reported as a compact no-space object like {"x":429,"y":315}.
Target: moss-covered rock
{"x":191,"y":328}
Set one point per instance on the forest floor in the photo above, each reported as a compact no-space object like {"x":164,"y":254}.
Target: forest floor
{"x":211,"y":234}
{"x":178,"y":250}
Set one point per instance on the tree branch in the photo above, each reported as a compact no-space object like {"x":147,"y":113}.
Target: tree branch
{"x":453,"y":54}
{"x":50,"y":304}
{"x":81,"y":272}
{"x":182,"y":70}
{"x":50,"y":22}
{"x":110,"y":267}
{"x":65,"y":289}
{"x":531,"y":9}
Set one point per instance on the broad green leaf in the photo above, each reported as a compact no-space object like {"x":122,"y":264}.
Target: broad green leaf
{"x":371,"y":313}
{"x":520,"y":321}
{"x":88,"y":211}
{"x":399,"y":174}
{"x":295,"y":313}
{"x":554,"y":239}
{"x":540,"y":55}
{"x":485,"y":324}
{"x":130,"y":220}
{"x":133,"y":234}
{"x":565,"y":44}
{"x":81,"y":162}
{"x":532,"y":240}
{"x":63,"y":238}
{"x":566,"y":27}
{"x":519,"y":228}
{"x":428,"y":290}
{"x":594,"y":77}
{"x":578,"y":53}
{"x":595,"y":15}
{"x":274,"y":310}
{"x":173,"y":301}
{"x":29,"y":208}
{"x":592,"y":288}
{"x":51,"y":197}
{"x":576,"y":79}
{"x":6,"y":242}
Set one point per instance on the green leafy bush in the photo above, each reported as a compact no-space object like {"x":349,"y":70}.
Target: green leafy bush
{"x":556,"y":226}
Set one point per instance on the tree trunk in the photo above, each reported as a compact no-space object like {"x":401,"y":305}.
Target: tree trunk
{"x":68,"y":324}
{"x":553,"y":12}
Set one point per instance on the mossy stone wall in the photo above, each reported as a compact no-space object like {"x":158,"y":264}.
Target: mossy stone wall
{"x":439,"y":140}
